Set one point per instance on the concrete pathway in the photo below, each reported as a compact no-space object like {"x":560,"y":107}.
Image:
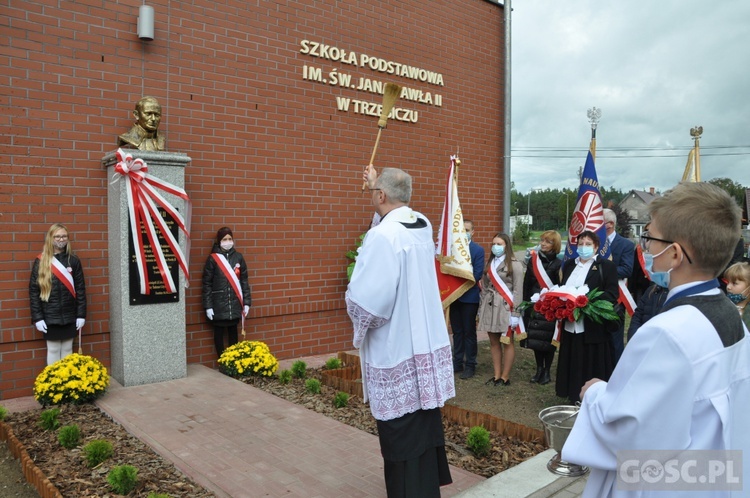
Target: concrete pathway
{"x":239,"y":441}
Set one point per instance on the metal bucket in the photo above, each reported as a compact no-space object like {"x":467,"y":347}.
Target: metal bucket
{"x":558,"y":422}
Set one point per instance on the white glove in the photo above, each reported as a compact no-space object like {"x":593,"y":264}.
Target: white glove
{"x":79,"y":323}
{"x":514,"y":320}
{"x":41,"y":326}
{"x":246,"y":310}
{"x":210,"y":313}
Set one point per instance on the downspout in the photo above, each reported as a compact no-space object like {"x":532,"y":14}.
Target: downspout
{"x":506,"y":121}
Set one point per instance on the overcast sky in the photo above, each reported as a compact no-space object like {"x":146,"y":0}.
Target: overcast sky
{"x":655,"y":68}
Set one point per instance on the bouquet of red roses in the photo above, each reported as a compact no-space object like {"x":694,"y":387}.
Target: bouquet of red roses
{"x":561,"y":302}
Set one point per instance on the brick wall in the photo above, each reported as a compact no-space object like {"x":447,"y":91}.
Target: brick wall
{"x":272,"y":157}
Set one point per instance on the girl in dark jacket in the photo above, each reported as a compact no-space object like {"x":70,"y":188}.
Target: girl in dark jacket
{"x":226,"y":293}
{"x":540,"y":331}
{"x":57,"y":294}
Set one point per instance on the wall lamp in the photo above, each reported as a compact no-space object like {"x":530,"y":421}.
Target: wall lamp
{"x":146,"y":23}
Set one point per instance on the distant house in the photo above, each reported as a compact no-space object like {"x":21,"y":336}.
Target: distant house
{"x":635,"y":204}
{"x":521,"y":219}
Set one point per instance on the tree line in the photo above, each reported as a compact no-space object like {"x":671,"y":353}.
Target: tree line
{"x":551,"y":209}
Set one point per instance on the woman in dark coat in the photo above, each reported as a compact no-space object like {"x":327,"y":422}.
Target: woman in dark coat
{"x":57,"y":294}
{"x":540,"y":331}
{"x":586,"y":349}
{"x":226,"y":293}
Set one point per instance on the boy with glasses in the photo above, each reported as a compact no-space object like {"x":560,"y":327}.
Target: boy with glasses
{"x":683,"y":382}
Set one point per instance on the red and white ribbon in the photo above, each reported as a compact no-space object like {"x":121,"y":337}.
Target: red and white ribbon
{"x":142,"y":205}
{"x":558,"y":333}
{"x":539,"y":272}
{"x":626,"y":298}
{"x":63,"y":275}
{"x":642,"y":261}
{"x":234,"y":282}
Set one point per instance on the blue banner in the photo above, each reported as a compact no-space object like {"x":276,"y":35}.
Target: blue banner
{"x":588,"y":213}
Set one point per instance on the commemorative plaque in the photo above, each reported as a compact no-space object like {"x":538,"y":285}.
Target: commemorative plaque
{"x":157,"y":290}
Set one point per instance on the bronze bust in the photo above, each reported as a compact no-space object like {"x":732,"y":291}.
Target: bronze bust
{"x":144,"y":135}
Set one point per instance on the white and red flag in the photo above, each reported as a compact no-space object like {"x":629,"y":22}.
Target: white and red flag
{"x":452,"y":258}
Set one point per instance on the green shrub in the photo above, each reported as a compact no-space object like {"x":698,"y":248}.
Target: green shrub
{"x":3,"y":412}
{"x":69,"y":436}
{"x":285,"y":376}
{"x":333,"y":364}
{"x":48,"y":419}
{"x":312,"y":386}
{"x":299,"y":369}
{"x":478,"y":440}
{"x":158,"y":495}
{"x":97,"y":451}
{"x":341,"y":399}
{"x":123,"y":479}
{"x":352,"y":255}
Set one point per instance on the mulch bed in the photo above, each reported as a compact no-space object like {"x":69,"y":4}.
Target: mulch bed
{"x":66,"y":469}
{"x":506,"y":451}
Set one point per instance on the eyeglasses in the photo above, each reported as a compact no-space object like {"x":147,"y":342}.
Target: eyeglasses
{"x":60,"y":237}
{"x":371,"y":189}
{"x":645,"y":240}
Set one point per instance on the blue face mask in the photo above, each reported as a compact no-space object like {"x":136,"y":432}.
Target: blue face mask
{"x":468,"y":236}
{"x":660,"y":278}
{"x":736,"y":298}
{"x":586,"y":252}
{"x":498,"y":250}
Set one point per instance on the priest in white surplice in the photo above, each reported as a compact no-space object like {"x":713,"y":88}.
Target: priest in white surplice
{"x":683,"y":382}
{"x":400,"y":331}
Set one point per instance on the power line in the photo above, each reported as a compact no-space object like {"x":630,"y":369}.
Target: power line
{"x":628,"y":156}
{"x":677,"y":147}
{"x":556,"y":152}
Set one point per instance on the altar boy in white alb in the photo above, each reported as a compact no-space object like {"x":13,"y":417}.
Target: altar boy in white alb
{"x":399,"y":327}
{"x":682,"y":386}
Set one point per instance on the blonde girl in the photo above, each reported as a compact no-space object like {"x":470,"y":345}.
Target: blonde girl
{"x":57,"y":293}
{"x":738,"y":288}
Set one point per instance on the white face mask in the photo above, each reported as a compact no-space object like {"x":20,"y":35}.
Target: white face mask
{"x":227,"y":245}
{"x":60,"y":244}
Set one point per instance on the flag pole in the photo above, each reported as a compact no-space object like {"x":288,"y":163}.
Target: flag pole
{"x":696,"y":133}
{"x":593,"y":114}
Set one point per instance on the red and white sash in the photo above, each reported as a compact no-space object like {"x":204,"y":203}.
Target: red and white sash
{"x":539,"y":272}
{"x":507,"y":295}
{"x":234,"y":282}
{"x":63,"y":275}
{"x":500,"y":286}
{"x":228,"y":272}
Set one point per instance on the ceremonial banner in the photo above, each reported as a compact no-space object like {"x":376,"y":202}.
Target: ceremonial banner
{"x":452,"y":259}
{"x":588,"y":213}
